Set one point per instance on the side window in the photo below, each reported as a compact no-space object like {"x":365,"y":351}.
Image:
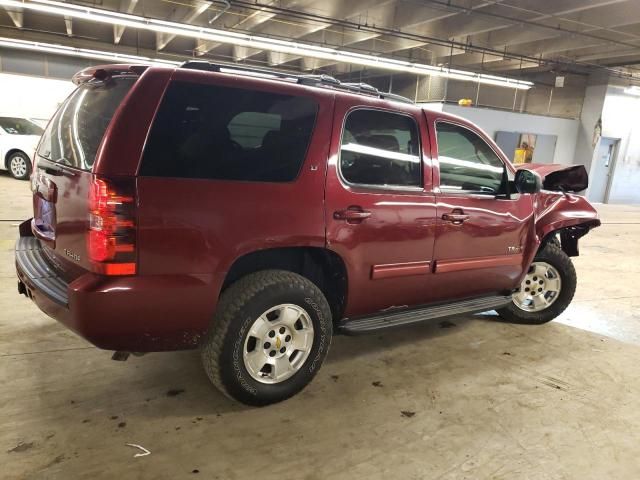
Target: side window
{"x":380,"y":148}
{"x":215,"y":132}
{"x":249,"y":128}
{"x":466,"y":161}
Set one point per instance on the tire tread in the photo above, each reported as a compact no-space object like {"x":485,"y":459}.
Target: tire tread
{"x":231,"y":302}
{"x":553,"y":252}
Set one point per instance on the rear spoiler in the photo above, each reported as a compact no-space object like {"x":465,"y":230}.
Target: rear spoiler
{"x":562,"y":178}
{"x":101,"y":73}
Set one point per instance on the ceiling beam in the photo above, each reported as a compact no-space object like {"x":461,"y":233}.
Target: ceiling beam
{"x":199,"y":7}
{"x":607,"y":55}
{"x":485,"y":29}
{"x":16,"y":15}
{"x":424,"y":21}
{"x":248,"y":22}
{"x":587,"y":11}
{"x":68,"y":25}
{"x":83,"y":42}
{"x":543,"y":49}
{"x":327,"y":33}
{"x":127,"y":6}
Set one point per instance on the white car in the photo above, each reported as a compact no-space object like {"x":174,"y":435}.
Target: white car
{"x":19,"y":138}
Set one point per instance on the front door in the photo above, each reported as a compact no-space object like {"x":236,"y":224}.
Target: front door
{"x":380,"y":212}
{"x":482,"y":234}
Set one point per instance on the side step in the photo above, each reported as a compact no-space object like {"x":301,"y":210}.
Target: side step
{"x":383,"y":320}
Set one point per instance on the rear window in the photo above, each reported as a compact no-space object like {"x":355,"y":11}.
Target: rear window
{"x":214,"y":132}
{"x":75,"y":132}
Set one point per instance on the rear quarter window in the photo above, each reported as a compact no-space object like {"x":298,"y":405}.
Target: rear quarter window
{"x":215,"y":132}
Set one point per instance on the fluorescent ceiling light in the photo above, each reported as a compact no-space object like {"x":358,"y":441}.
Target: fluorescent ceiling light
{"x":253,"y":41}
{"x":632,"y":90}
{"x":80,"y":52}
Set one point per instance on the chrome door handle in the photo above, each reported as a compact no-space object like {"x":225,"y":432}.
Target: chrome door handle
{"x":352,"y":214}
{"x":455,"y":218}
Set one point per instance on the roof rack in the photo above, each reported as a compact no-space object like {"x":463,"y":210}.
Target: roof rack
{"x":218,"y":67}
{"x":322,"y":80}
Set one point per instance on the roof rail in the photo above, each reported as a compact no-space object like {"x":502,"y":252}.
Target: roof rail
{"x":218,"y":67}
{"x":316,"y":79}
{"x":322,"y":80}
{"x":371,"y":90}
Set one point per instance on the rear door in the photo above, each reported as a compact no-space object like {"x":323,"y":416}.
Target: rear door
{"x":482,"y":232}
{"x":380,"y":211}
{"x":65,"y":159}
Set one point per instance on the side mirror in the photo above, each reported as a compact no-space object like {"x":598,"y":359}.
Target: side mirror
{"x":527,"y":181}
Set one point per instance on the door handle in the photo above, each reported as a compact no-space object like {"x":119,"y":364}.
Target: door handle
{"x":353,"y":214}
{"x":455,"y":218}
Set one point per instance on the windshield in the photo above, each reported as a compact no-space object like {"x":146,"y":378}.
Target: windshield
{"x":75,"y":132}
{"x":19,"y":126}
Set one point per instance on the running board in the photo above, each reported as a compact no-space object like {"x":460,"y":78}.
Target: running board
{"x":407,"y":317}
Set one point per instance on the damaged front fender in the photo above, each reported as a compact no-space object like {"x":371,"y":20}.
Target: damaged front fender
{"x":570,"y":215}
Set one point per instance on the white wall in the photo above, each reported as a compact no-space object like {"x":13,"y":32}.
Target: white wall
{"x":32,"y":97}
{"x":492,"y":121}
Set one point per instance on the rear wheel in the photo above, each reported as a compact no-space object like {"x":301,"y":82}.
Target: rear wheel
{"x":269,"y":336}
{"x":546,"y":290}
{"x":19,"y":165}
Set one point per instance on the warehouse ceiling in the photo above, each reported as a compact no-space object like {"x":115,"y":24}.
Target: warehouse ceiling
{"x":510,"y":37}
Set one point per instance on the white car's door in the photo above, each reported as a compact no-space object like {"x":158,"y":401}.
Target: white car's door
{"x":3,"y":149}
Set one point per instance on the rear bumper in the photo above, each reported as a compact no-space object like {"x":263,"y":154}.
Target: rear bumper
{"x":130,"y":313}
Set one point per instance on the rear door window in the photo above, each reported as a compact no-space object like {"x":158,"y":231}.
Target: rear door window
{"x":380,"y":149}
{"x":215,"y":132}
{"x":75,"y":132}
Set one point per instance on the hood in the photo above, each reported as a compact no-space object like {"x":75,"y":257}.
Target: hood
{"x":562,"y":178}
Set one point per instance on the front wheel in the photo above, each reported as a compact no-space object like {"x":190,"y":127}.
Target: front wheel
{"x":547,"y":288}
{"x":19,"y":165}
{"x":269,"y":337}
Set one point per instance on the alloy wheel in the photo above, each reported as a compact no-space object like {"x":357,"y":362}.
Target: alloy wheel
{"x":278,"y":343}
{"x":539,"y":289}
{"x":18,"y":166}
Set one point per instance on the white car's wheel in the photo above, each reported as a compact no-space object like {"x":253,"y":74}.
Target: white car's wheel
{"x":19,"y":165}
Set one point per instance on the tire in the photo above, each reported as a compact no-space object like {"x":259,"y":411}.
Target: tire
{"x":552,"y":239}
{"x":260,"y":302}
{"x":552,"y":255}
{"x":19,"y":165}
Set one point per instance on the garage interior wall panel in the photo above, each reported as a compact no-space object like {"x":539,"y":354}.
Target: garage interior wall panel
{"x":32,"y":97}
{"x":493,"y":121}
{"x":20,"y":61}
{"x":32,"y":84}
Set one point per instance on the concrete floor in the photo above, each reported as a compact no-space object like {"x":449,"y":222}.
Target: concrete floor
{"x":473,"y":398}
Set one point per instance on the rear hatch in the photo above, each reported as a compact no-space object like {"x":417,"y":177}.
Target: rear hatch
{"x":66,"y":193}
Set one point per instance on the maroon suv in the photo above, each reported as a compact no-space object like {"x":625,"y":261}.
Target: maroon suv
{"x":252,"y":214}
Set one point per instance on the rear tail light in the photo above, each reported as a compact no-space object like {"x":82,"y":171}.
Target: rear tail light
{"x":111,"y":241}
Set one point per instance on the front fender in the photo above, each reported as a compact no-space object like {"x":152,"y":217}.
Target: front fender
{"x":556,"y":211}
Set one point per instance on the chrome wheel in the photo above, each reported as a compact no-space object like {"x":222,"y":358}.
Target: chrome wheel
{"x":539,"y":289}
{"x":18,"y":166}
{"x":278,"y":343}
